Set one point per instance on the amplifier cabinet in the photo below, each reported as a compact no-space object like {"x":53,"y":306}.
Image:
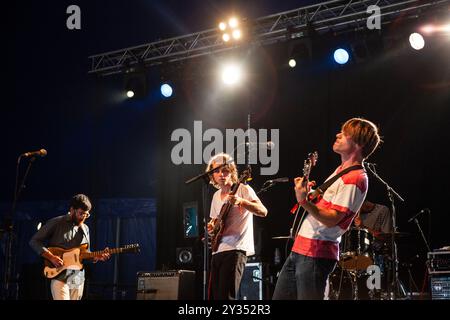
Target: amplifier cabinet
{"x":166,"y":285}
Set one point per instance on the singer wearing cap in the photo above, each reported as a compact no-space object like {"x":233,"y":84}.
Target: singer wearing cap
{"x":236,"y":242}
{"x":316,"y":248}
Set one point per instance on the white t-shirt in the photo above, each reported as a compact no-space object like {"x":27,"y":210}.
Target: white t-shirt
{"x":238,"y":230}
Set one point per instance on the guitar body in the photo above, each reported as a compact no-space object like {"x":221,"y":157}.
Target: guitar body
{"x":219,"y":227}
{"x":71,"y":257}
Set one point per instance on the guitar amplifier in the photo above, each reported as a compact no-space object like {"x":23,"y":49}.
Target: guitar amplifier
{"x":166,"y":285}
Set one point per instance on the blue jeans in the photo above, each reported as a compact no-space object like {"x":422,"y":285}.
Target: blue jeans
{"x":303,"y":278}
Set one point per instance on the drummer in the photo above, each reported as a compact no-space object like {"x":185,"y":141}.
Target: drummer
{"x":374,"y":217}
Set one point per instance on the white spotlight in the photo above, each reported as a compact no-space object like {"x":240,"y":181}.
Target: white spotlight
{"x":236,"y":34}
{"x":292,"y":63}
{"x":222,"y":26}
{"x":416,"y":41}
{"x":231,"y":74}
{"x":226,"y":37}
{"x":39,"y":225}
{"x":130,"y":93}
{"x":233,"y":22}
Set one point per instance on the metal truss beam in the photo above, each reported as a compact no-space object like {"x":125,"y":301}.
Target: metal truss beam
{"x":331,"y":15}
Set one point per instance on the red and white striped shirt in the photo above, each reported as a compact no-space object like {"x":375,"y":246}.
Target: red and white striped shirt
{"x":346,"y":196}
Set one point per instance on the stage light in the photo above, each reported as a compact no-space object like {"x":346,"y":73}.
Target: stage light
{"x":341,"y":56}
{"x":222,"y":26}
{"x":230,"y":30}
{"x":226,"y":37}
{"x":416,"y":41}
{"x":236,"y":34}
{"x":231,"y":74}
{"x":292,"y":63}
{"x":135,"y":84}
{"x":39,"y":225}
{"x":233,"y":22}
{"x":166,"y":90}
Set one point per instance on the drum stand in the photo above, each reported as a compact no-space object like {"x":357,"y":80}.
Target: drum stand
{"x":354,"y":282}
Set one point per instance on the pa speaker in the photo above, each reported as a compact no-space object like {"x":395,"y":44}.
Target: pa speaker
{"x":166,"y":285}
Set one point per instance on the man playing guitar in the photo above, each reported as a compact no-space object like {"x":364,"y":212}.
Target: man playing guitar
{"x":67,"y":232}
{"x":316,"y":247}
{"x":234,"y":240}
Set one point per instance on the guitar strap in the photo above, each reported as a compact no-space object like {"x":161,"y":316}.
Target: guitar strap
{"x":321,"y":190}
{"x":324,"y":186}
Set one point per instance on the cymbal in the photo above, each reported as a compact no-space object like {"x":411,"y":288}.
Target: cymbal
{"x":282,"y":237}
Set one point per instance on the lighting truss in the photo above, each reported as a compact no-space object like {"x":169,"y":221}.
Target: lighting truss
{"x":336,"y":15}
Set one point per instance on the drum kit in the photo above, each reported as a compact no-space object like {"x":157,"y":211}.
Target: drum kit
{"x":362,"y":252}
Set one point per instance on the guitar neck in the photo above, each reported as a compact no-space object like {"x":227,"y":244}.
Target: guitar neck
{"x":93,"y":254}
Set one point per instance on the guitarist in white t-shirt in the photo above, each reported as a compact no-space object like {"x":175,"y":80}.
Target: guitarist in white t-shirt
{"x":230,"y":227}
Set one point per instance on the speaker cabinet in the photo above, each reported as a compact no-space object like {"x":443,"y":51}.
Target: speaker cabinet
{"x":166,"y":285}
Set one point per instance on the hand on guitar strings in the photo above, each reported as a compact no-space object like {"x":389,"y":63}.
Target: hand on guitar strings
{"x":302,"y":187}
{"x":104,"y":256}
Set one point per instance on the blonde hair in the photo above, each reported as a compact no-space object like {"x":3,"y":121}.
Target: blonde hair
{"x":364,"y":133}
{"x":221,"y":158}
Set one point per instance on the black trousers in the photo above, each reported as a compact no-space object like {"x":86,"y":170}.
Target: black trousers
{"x":227,"y":269}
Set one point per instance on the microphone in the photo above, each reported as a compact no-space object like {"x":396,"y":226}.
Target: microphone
{"x":269,"y":144}
{"x":39,"y":153}
{"x":418,"y":214}
{"x":285,"y":179}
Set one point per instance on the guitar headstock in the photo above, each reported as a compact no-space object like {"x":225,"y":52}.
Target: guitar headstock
{"x":131,"y":248}
{"x":309,"y":163}
{"x":246,"y":175}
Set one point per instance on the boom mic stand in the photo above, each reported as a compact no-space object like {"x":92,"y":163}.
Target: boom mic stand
{"x":205,"y":177}
{"x":9,"y":228}
{"x":396,"y":287}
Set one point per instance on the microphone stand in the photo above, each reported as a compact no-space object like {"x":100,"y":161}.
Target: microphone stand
{"x":9,"y":228}
{"x":421,"y":232}
{"x":392,"y":194}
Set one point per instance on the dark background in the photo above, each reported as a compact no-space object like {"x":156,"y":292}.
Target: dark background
{"x":111,"y":148}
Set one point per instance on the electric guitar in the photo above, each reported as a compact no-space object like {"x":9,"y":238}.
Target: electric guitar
{"x":219,"y":226}
{"x":73,"y":257}
{"x":308,"y":164}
